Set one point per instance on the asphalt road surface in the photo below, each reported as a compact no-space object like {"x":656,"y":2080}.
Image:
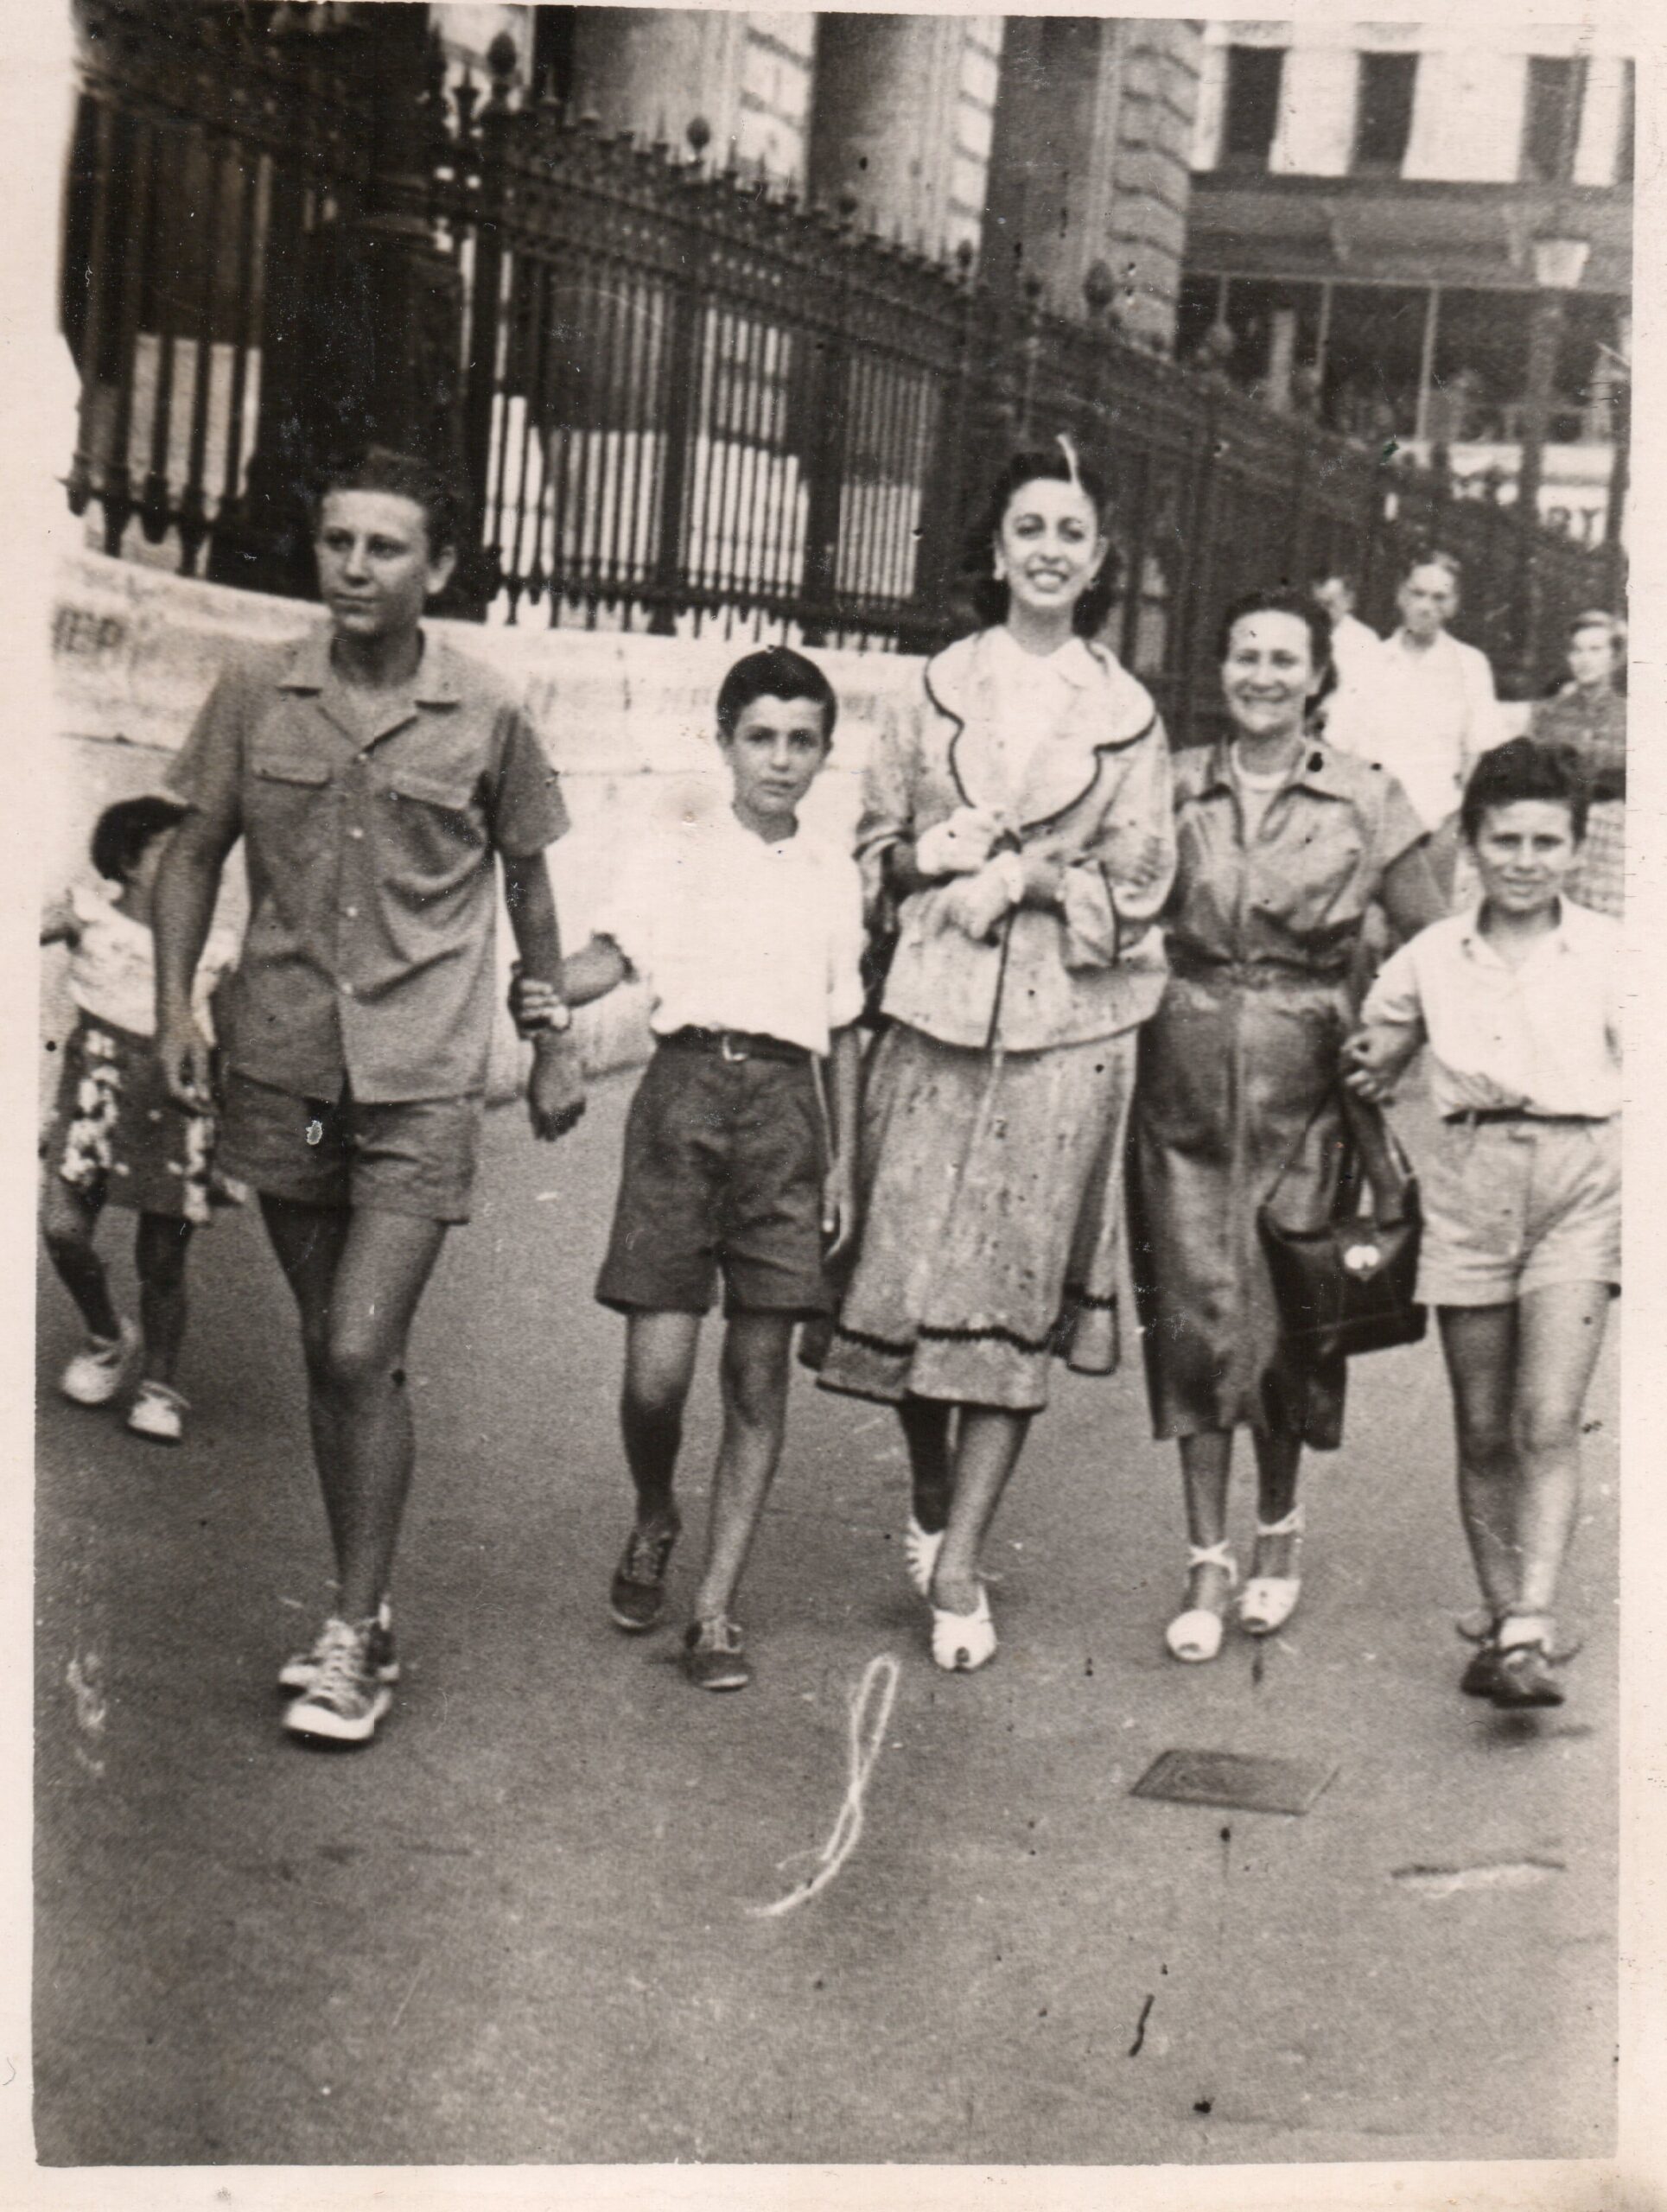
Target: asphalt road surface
{"x":519,"y":1928}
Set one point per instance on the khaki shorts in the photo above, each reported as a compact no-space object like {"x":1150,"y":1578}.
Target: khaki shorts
{"x":416,"y":1157}
{"x":1514,"y":1206}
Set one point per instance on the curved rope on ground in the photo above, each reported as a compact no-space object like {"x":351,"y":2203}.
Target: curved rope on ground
{"x":866,"y":1735}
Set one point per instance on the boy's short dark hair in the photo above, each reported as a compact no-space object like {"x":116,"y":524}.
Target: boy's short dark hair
{"x":1526,"y":768}
{"x":407,"y":476}
{"x":774,"y":672}
{"x":1435,"y":557}
{"x":122,"y":832}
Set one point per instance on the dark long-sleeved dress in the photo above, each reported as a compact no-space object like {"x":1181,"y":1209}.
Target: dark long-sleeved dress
{"x":1238,"y":1072}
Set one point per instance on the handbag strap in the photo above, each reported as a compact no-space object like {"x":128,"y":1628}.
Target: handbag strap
{"x":1372,"y":1144}
{"x":1382,"y":1156}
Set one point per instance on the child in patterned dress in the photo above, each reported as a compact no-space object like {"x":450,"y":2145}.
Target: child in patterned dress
{"x":117,"y":1136}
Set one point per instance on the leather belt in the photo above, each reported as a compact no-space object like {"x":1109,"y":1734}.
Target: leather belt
{"x":1476,"y":1117}
{"x":734,"y":1046}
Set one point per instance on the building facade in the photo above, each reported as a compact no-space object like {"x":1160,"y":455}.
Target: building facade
{"x":1051,"y":146}
{"x":1391,"y":222}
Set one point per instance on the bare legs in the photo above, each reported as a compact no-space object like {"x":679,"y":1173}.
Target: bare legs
{"x":960,"y":1460}
{"x":1206,"y":1464}
{"x":754,"y":1374}
{"x":357,"y":1279}
{"x":1519,"y":1375}
{"x":69,"y":1221}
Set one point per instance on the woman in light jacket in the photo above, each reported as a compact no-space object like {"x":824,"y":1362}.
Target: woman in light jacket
{"x":1019,"y":815}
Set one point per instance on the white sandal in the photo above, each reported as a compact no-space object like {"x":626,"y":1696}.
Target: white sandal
{"x":964,"y":1641}
{"x":920,"y":1550}
{"x":1271,"y":1599}
{"x":1195,"y":1636}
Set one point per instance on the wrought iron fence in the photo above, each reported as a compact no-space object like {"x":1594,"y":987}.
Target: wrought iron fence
{"x":682,"y":397}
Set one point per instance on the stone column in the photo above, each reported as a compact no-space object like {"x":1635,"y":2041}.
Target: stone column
{"x":883,"y":120}
{"x":654,"y":71}
{"x":1090,"y":161}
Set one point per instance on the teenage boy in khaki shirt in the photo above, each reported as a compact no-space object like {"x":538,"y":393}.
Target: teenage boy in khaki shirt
{"x":375,"y":778}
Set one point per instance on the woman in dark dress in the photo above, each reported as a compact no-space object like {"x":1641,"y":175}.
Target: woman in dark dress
{"x":1283,"y":843}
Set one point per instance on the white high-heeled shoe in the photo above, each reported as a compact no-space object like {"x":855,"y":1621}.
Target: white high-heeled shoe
{"x":920,"y":1550}
{"x":961,"y":1643}
{"x":1195,"y":1636}
{"x":1271,"y":1599}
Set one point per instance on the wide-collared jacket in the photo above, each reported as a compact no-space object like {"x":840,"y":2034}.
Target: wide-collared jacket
{"x":1096,"y":790}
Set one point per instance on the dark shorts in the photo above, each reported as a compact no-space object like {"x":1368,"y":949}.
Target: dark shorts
{"x":722,"y":1175}
{"x":416,"y":1157}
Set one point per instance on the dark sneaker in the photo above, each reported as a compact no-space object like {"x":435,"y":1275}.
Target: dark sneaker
{"x":1522,"y":1677}
{"x":712,"y":1656}
{"x":346,"y":1701}
{"x":636,"y":1597}
{"x":297,"y":1672}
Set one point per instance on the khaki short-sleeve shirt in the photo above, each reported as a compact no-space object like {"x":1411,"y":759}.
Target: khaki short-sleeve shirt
{"x":369,"y":841}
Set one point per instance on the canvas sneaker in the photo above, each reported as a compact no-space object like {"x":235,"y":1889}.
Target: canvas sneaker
{"x":158,"y":1413}
{"x":346,"y":1701}
{"x":97,"y":1372}
{"x":636,"y":1597}
{"x":299,"y":1671}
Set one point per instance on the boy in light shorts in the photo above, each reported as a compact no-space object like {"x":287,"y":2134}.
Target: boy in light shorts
{"x":1517,"y":999}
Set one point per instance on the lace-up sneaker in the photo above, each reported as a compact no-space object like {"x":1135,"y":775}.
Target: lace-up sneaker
{"x":97,"y":1372}
{"x":298,"y":1672}
{"x":346,"y":1701}
{"x":712,"y":1656}
{"x":636,"y":1597}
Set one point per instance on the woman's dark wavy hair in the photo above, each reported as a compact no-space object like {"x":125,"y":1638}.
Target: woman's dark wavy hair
{"x":1526,"y":767}
{"x":1281,"y":598}
{"x":989,"y":594}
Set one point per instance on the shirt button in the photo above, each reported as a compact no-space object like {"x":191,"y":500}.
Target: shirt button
{"x":356,"y":833}
{"x":352,"y":913}
{"x":346,"y":990}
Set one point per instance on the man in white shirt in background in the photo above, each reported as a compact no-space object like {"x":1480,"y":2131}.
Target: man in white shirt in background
{"x":1354,"y":644}
{"x":1425,"y":707}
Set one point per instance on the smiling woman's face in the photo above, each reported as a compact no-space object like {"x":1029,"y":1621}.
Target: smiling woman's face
{"x":1268,"y":676}
{"x":1049,"y":548}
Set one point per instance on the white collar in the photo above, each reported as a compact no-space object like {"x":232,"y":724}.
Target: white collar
{"x":1071,"y":660}
{"x":1565,"y":938}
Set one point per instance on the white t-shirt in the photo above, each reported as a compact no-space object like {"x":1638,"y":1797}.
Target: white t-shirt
{"x":1424,"y":712}
{"x":731,"y":933}
{"x":112,"y":962}
{"x":1544,"y":1037}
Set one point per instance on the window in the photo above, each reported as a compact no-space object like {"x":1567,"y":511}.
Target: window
{"x":1253,"y":82}
{"x":1551,"y":122}
{"x":1382,"y":114}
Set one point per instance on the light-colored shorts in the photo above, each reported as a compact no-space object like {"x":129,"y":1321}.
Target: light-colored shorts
{"x":1514,"y":1206}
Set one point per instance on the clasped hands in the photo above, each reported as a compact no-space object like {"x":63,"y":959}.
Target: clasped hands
{"x":991,"y":874}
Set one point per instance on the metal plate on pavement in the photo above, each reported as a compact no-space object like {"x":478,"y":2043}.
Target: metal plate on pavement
{"x":1249,"y":1784}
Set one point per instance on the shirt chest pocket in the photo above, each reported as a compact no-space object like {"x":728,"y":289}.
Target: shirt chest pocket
{"x":435,"y":825}
{"x":287,"y":798}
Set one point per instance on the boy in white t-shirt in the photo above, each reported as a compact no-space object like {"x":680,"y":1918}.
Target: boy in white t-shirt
{"x":739,"y":1158}
{"x":1518,"y":1001}
{"x":117,"y":1136}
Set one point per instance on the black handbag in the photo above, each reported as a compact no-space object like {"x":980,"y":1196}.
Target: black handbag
{"x":1346,"y":1287}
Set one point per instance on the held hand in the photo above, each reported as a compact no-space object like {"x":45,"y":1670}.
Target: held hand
{"x":187,"y":1066}
{"x":959,"y":845}
{"x":1370,"y":1062}
{"x":556,"y":1099}
{"x":532,"y":1001}
{"x":838,"y":1210}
